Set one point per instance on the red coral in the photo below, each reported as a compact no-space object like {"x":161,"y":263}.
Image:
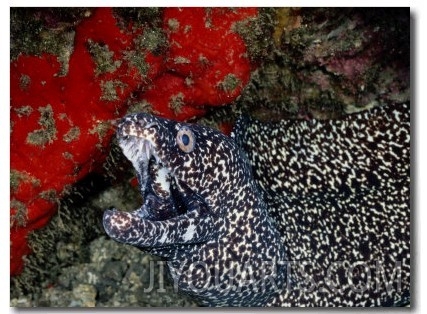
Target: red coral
{"x":60,"y":127}
{"x":207,"y":60}
{"x":60,"y":123}
{"x":172,"y":98}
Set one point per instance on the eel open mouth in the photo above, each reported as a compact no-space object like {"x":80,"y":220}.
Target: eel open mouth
{"x":171,"y":213}
{"x":157,"y":184}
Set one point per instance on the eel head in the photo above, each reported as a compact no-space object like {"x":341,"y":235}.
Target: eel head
{"x":202,"y":211}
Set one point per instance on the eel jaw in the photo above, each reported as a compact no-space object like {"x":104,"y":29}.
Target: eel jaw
{"x":137,"y":139}
{"x":137,"y":228}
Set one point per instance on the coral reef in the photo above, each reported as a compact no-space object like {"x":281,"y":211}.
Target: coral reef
{"x":303,"y":62}
{"x":327,"y":62}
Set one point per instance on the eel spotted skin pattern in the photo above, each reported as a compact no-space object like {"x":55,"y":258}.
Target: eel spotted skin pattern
{"x":295,"y":213}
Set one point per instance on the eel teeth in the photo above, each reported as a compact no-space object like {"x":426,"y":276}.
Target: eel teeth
{"x":148,"y":150}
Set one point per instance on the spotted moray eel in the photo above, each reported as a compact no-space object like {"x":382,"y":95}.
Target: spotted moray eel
{"x":296,"y":213}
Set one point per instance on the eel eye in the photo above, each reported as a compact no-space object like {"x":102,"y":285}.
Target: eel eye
{"x":185,"y":139}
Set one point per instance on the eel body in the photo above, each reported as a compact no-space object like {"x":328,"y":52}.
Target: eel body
{"x":297,"y":213}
